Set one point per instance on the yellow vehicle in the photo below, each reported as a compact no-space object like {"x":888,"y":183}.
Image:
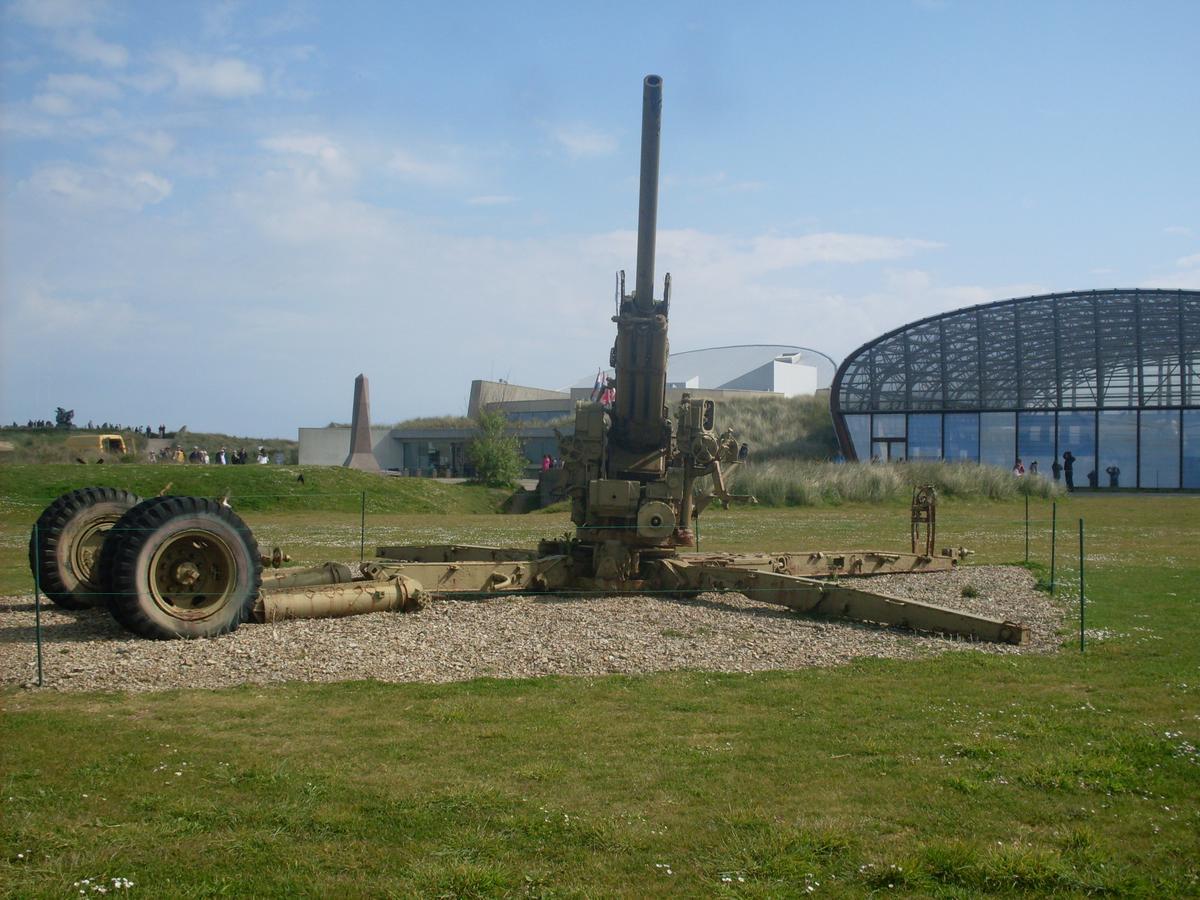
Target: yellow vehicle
{"x":98,"y":443}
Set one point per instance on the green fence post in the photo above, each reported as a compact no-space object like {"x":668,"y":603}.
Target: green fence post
{"x":1082,"y":595}
{"x":1053,"y":537}
{"x":37,"y":601}
{"x":362,"y":529}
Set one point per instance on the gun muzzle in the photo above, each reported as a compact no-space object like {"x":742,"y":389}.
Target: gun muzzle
{"x":643,"y":292}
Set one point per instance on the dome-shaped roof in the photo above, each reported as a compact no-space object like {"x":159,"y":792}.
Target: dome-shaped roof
{"x":1083,"y":350}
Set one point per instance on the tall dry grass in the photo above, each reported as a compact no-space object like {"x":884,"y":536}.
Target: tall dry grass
{"x":787,"y":482}
{"x":781,"y":427}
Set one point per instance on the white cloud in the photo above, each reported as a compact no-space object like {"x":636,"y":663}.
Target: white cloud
{"x":59,"y":92}
{"x":40,"y":311}
{"x":731,"y":259}
{"x":137,"y":150}
{"x":1188,"y":262}
{"x":81,"y":86}
{"x":98,"y":189}
{"x":87,"y":47}
{"x":491,"y":200}
{"x":1178,"y":231}
{"x":217,"y":19}
{"x":55,"y":13}
{"x":30,"y":120}
{"x":224,"y":77}
{"x":53,"y":104}
{"x":1179,"y":281}
{"x":324,"y":151}
{"x":424,"y":171}
{"x":584,"y":141}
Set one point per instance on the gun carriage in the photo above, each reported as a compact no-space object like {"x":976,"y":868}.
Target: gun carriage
{"x":637,"y":473}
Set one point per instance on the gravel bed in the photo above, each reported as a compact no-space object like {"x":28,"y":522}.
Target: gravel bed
{"x":510,"y":637}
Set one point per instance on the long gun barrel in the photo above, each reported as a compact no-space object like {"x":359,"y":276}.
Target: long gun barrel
{"x":643,"y":296}
{"x":641,"y":432}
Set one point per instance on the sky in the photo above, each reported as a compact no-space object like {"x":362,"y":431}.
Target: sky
{"x":218,"y":214}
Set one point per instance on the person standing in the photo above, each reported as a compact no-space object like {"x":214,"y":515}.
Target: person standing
{"x":1018,"y":468}
{"x":1069,"y":469}
{"x":1114,"y":475}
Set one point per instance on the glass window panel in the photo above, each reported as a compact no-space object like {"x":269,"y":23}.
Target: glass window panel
{"x":1035,"y":441}
{"x":925,"y":436}
{"x":1038,"y":356}
{"x":1191,"y":448}
{"x":1118,"y":449}
{"x":925,"y":367}
{"x":997,"y":439}
{"x":1159,"y":465}
{"x":1077,"y":348}
{"x":962,"y":436}
{"x":998,"y":336}
{"x":860,"y":435}
{"x":961,"y":353}
{"x":883,"y":451}
{"x":1077,"y":436}
{"x":1116,"y":316}
{"x":855,"y":391}
{"x":1161,"y":365}
{"x":889,"y":388}
{"x":1189,"y":313}
{"x":891,"y":425}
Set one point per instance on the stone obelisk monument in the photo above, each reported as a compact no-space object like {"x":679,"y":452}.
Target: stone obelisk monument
{"x":361,"y":456}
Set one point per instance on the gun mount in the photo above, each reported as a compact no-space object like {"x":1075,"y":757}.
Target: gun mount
{"x":631,"y":470}
{"x":638,"y":477}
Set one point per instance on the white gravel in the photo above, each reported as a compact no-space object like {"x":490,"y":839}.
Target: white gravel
{"x":509,"y":637}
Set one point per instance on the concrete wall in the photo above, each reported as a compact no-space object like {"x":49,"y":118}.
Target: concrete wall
{"x":536,"y":410}
{"x":787,"y":378}
{"x":485,"y":393}
{"x":674,"y":395}
{"x":331,"y":446}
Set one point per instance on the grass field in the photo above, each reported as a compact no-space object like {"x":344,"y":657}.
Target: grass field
{"x":1072,"y":774}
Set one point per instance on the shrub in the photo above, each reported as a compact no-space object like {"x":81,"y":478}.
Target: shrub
{"x":495,"y":454}
{"x":806,"y":483}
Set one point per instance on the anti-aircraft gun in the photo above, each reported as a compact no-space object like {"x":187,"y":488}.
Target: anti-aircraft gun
{"x":630,"y":471}
{"x":189,"y":567}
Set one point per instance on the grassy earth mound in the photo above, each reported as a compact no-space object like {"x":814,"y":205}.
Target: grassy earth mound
{"x":254,"y":487}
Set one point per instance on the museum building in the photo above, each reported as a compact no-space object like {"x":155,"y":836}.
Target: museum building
{"x":1113,"y":377}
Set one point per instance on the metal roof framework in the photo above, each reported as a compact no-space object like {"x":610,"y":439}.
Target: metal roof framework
{"x":1131,"y":349}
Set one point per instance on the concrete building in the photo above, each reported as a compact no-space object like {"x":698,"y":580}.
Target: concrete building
{"x":718,"y":373}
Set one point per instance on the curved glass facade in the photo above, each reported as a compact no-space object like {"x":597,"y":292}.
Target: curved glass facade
{"x":1113,"y":377}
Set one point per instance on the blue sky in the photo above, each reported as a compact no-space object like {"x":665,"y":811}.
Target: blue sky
{"x":218,"y":214}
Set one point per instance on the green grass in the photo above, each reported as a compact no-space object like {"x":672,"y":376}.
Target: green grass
{"x":955,"y":776}
{"x":789,"y":482}
{"x":252,"y":487}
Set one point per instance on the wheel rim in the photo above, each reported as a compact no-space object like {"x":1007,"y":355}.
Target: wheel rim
{"x":85,"y":551}
{"x":192,"y":574}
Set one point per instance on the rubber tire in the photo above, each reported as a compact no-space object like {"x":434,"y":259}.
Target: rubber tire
{"x":125,"y":567}
{"x":52,"y":543}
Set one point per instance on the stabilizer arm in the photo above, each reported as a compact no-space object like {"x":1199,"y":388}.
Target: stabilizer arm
{"x":830,"y":600}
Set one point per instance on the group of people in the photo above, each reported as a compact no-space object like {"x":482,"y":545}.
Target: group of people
{"x":1066,"y":471}
{"x":200,"y":456}
{"x":549,"y":462}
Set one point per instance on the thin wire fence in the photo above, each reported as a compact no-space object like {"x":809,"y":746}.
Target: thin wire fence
{"x":1034,"y":537}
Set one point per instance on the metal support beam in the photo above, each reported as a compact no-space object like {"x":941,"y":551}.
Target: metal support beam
{"x":837,"y":601}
